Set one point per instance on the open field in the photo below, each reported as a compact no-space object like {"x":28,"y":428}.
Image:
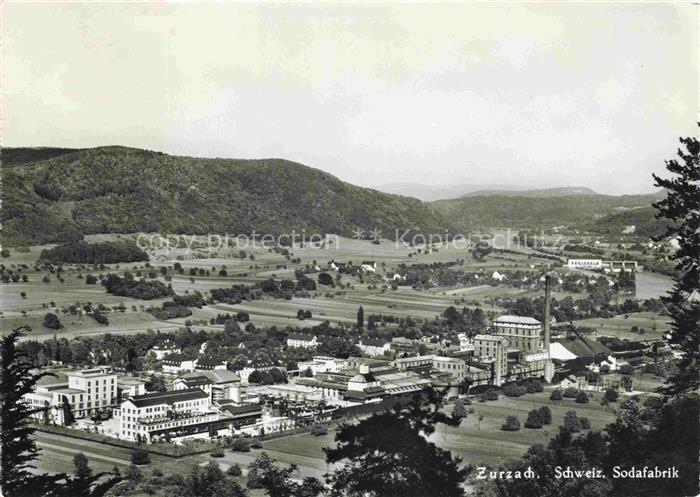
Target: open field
{"x":620,"y":326}
{"x":333,"y":304}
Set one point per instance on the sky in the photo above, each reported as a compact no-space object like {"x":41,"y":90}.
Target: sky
{"x":519,"y":94}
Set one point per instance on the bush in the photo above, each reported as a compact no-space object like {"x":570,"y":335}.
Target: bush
{"x":582,"y":398}
{"x":140,"y":457}
{"x":612,"y":395}
{"x":133,"y":473}
{"x":254,"y":480}
{"x":534,"y":419}
{"x":234,"y":470}
{"x":546,"y":414}
{"x":256,"y":444}
{"x":511,"y":424}
{"x":240,"y":445}
{"x":491,"y":394}
{"x":459,"y":410}
{"x":570,"y":393}
{"x":514,"y":390}
{"x":572,"y":422}
{"x":217,"y":453}
{"x":534,"y":386}
{"x":555,"y":395}
{"x":585,"y":423}
{"x":51,"y":321}
{"x":157,"y":472}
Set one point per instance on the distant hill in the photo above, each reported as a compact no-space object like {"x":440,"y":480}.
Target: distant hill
{"x":538,"y":193}
{"x":640,"y":222}
{"x":536,"y":212}
{"x":61,"y":196}
{"x":429,"y":193}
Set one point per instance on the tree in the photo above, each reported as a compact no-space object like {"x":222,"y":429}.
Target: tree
{"x":234,"y":470}
{"x":611,"y":394}
{"x":534,"y":419}
{"x":459,"y":411}
{"x":563,"y":451}
{"x":68,"y":417}
{"x":682,"y":207}
{"x":155,"y":383}
{"x":659,"y":432}
{"x":277,"y":481}
{"x":546,"y":414}
{"x":325,"y":279}
{"x":582,"y":398}
{"x":360,"y":318}
{"x":211,"y":481}
{"x":140,"y":457}
{"x":572,"y":422}
{"x":388,"y":454}
{"x":82,"y":470}
{"x":133,"y":473}
{"x":17,"y":447}
{"x":51,"y":321}
{"x":512,"y":424}
{"x":555,"y":395}
{"x":240,"y":444}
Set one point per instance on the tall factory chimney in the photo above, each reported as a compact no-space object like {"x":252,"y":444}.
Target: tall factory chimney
{"x":548,"y":367}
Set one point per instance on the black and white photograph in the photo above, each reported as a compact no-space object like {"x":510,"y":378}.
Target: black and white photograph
{"x":349,"y":249}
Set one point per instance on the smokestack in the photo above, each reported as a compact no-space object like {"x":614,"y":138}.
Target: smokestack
{"x":547,"y":319}
{"x":548,"y":366}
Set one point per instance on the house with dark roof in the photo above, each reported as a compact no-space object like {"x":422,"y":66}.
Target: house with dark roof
{"x":163,"y":415}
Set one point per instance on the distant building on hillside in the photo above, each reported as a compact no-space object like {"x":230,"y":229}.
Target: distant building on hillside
{"x":302,"y":340}
{"x":165,"y":349}
{"x":585,"y":264}
{"x":369,"y":266}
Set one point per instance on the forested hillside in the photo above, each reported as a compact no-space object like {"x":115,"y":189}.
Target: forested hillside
{"x":126,"y":190}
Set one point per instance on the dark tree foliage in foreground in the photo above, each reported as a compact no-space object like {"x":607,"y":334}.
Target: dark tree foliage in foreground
{"x":17,"y":448}
{"x":208,"y":481}
{"x":656,"y":433}
{"x":277,"y":481}
{"x":565,"y":449}
{"x":388,"y":455}
{"x":682,"y":206}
